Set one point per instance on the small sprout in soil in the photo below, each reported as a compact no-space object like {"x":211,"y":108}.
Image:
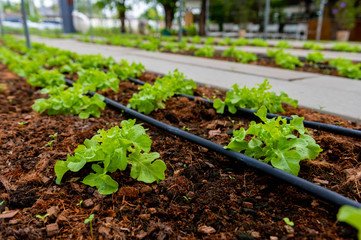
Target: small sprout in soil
{"x":42,"y":217}
{"x":187,"y":198}
{"x":79,"y":203}
{"x":1,"y":203}
{"x":90,"y":220}
{"x":10,"y":101}
{"x":186,"y":129}
{"x":22,"y":123}
{"x":50,"y":144}
{"x":320,"y":107}
{"x":184,"y":165}
{"x":288,"y":222}
{"x":231,"y":177}
{"x":54,"y":136}
{"x":339,"y":123}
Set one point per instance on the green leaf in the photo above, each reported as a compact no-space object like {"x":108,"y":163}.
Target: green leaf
{"x":351,"y":216}
{"x":145,"y":169}
{"x":60,"y":168}
{"x":104,"y":183}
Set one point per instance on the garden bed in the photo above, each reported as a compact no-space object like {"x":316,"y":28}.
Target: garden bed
{"x":204,"y":195}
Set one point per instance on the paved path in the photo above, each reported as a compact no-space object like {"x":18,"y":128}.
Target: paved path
{"x":335,"y":95}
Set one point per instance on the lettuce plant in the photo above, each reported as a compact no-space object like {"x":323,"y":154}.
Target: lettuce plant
{"x":286,"y":60}
{"x":173,"y":47}
{"x":277,"y":142}
{"x":259,"y":42}
{"x":345,"y":47}
{"x":125,"y":70}
{"x":209,"y":40}
{"x":253,"y":98}
{"x":351,"y":216}
{"x":113,"y":150}
{"x":283,"y":44}
{"x":315,"y":57}
{"x":241,"y":42}
{"x":152,"y":97}
{"x":58,"y":61}
{"x":206,"y":51}
{"x":241,"y":56}
{"x":99,"y":79}
{"x":46,"y":78}
{"x":346,"y":68}
{"x":312,"y":46}
{"x":71,"y":101}
{"x":225,"y":41}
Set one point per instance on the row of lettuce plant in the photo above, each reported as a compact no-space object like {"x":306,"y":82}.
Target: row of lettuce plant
{"x":276,"y":141}
{"x":281,"y":58}
{"x":133,"y":40}
{"x":108,"y":151}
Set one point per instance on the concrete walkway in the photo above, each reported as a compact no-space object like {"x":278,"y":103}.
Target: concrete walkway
{"x":334,"y":95}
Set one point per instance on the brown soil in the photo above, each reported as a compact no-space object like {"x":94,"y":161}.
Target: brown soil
{"x":204,"y":195}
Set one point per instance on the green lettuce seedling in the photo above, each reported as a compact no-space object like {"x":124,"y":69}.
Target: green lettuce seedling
{"x":152,"y":97}
{"x":113,"y":150}
{"x":315,"y":57}
{"x":71,"y":101}
{"x":277,"y":142}
{"x":351,"y":216}
{"x":253,"y":98}
{"x":206,"y":51}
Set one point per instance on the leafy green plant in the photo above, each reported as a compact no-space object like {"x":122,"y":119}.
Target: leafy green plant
{"x":99,"y":79}
{"x":277,"y":142}
{"x":286,"y":60}
{"x":345,"y":47}
{"x":351,"y":216}
{"x":173,"y":47}
{"x":90,"y":221}
{"x":150,"y":46}
{"x":209,"y":41}
{"x":259,"y":42}
{"x":196,"y":39}
{"x":111,"y":150}
{"x":125,"y":70}
{"x":241,"y":42}
{"x":206,"y":51}
{"x":283,"y":44}
{"x":312,"y":46}
{"x":253,"y":98}
{"x":94,"y":61}
{"x":315,"y":57}
{"x":152,"y":97}
{"x":71,"y":101}
{"x":346,"y":68}
{"x":46,"y":78}
{"x":58,"y":61}
{"x":71,"y":68}
{"x":225,"y":41}
{"x":241,"y":56}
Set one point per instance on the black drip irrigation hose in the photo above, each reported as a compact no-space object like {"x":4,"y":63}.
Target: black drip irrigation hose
{"x":298,"y":182}
{"x":250,"y":113}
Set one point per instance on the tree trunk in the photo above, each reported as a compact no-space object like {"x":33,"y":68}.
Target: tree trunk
{"x":122,"y":20}
{"x":169,"y":16}
{"x":202,"y":18}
